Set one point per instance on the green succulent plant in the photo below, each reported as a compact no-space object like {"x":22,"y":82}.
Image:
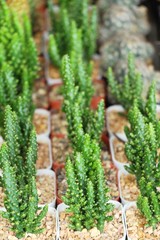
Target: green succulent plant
{"x":77,"y":98}
{"x":149,"y":202}
{"x":17,"y":45}
{"x":20,"y":101}
{"x":85,"y":21}
{"x":130,"y":89}
{"x":19,"y":179}
{"x":142,"y":152}
{"x":143,"y":137}
{"x":86,"y":194}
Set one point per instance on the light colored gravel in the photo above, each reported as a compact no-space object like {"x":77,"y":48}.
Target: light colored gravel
{"x":43,"y":156}
{"x":119,"y":151}
{"x":49,"y":223}
{"x":39,"y":96}
{"x":137,"y":228}
{"x":60,"y":149}
{"x":45,"y":188}
{"x":58,"y":122}
{"x":112,"y":230}
{"x":117,"y":122}
{"x":41,"y":123}
{"x":129,"y":187}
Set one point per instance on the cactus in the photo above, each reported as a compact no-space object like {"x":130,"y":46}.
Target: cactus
{"x":18,"y":47}
{"x":77,"y":103}
{"x":87,"y":192}
{"x":18,"y":165}
{"x":130,"y":89}
{"x":85,"y":21}
{"x":21,"y":102}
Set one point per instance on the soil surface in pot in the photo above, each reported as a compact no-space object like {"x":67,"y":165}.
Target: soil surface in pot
{"x":60,"y":149}
{"x":39,"y":96}
{"x":119,"y":151}
{"x":55,"y":93}
{"x":41,"y":123}
{"x":48,"y":223}
{"x":110,"y":175}
{"x":112,"y":230}
{"x":129,"y":187}
{"x":137,"y":229}
{"x":54,"y":72}
{"x":43,"y":160}
{"x":58,"y":122}
{"x":45,"y":188}
{"x":117,"y":121}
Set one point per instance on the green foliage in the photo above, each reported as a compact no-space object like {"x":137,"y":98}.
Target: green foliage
{"x":19,"y":178}
{"x":141,"y":147}
{"x":130,"y":89}
{"x":77,"y":98}
{"x":85,"y":21}
{"x":19,"y":49}
{"x":87,"y":191}
{"x":21,"y":202}
{"x":149,"y":202}
{"x":20,"y":101}
{"x":142,"y":152}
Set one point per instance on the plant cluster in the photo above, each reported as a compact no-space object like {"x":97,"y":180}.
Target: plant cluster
{"x":18,"y":180}
{"x":77,"y":102}
{"x":18,"y":154}
{"x":72,"y":13}
{"x":18,"y":64}
{"x":17,"y":46}
{"x":142,"y":152}
{"x":130,"y":89}
{"x":87,"y":191}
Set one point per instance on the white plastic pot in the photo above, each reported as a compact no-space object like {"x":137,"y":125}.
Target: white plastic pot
{"x":51,"y":174}
{"x":117,"y":108}
{"x":62,"y":207}
{"x":43,"y":112}
{"x":46,"y":141}
{"x":125,"y":208}
{"x":123,"y":200}
{"x":119,"y":165}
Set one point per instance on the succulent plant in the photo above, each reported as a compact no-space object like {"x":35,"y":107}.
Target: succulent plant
{"x":86,"y":194}
{"x":142,"y":145}
{"x":17,"y":45}
{"x":20,"y":101}
{"x":149,"y":202}
{"x":86,"y":23}
{"x":77,"y":97}
{"x":18,"y":180}
{"x":130,"y":89}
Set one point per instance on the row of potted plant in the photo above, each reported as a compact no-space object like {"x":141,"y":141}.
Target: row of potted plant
{"x":78,"y":219}
{"x":139,"y":143}
{"x":24,"y":211}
